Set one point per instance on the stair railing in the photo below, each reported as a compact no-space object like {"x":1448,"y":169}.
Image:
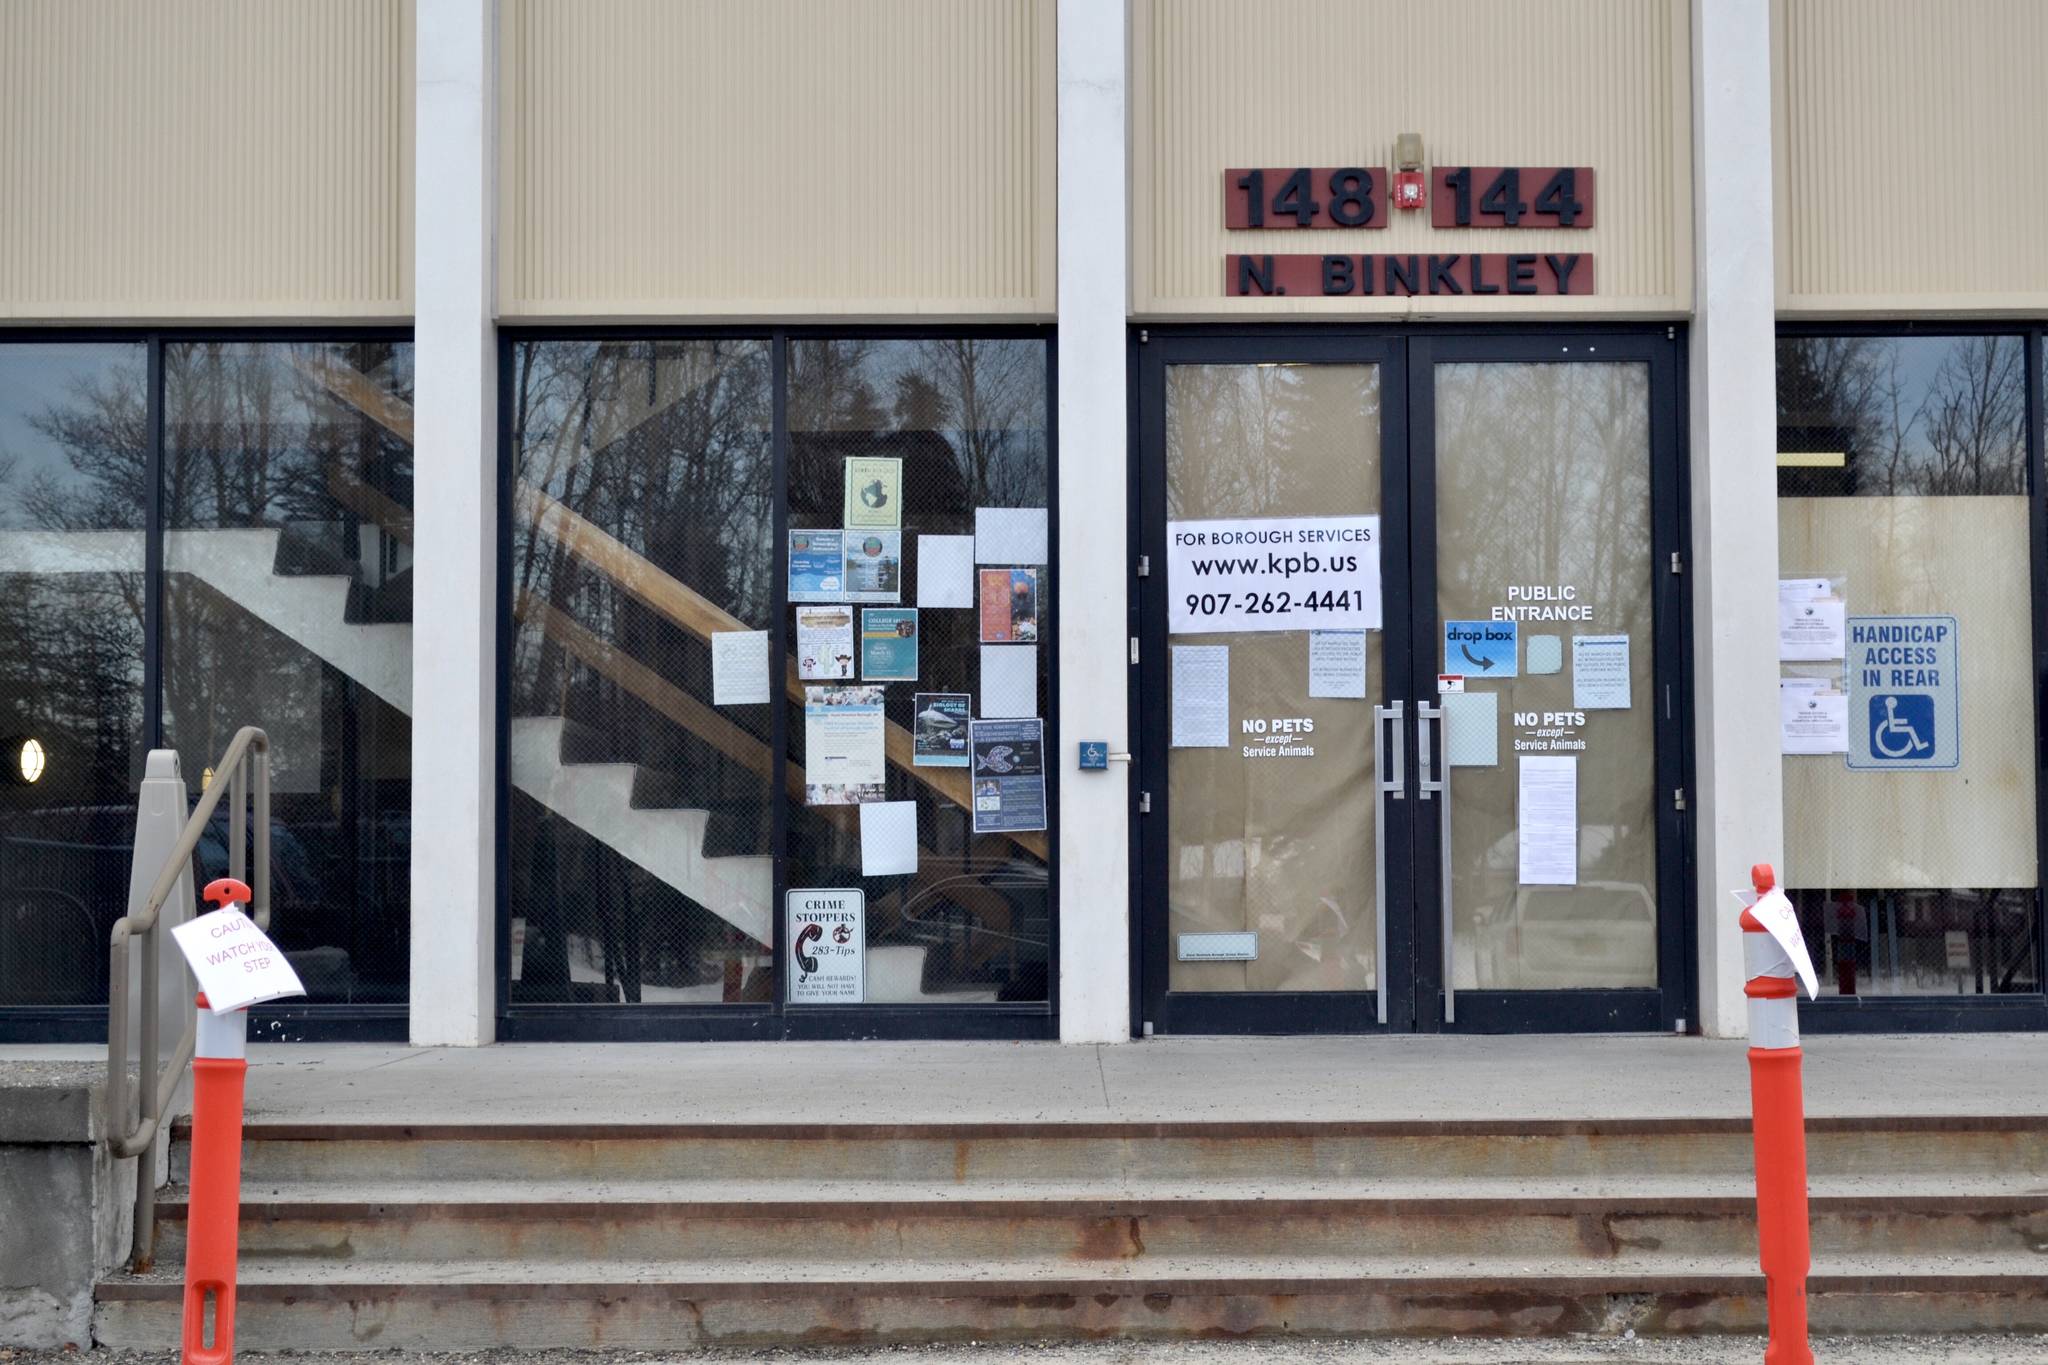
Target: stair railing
{"x":243,"y":776}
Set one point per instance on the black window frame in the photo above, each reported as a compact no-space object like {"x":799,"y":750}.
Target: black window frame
{"x":283,"y":1021}
{"x":619,"y":1022}
{"x":1991,"y":1012}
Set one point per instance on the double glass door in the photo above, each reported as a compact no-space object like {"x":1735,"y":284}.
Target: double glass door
{"x":1410,"y":698}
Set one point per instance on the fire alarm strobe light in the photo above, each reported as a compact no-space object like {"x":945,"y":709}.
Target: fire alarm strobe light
{"x":1408,"y":191}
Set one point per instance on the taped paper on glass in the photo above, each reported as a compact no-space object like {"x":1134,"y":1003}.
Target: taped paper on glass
{"x":235,"y":963}
{"x":845,"y":755}
{"x":817,"y":566}
{"x":1545,"y":654}
{"x":945,"y":571}
{"x":824,"y":643}
{"x":1009,"y":681}
{"x":888,"y":644}
{"x":1812,"y":621}
{"x":1548,"y":817}
{"x":1813,"y":716}
{"x":874,"y":492}
{"x":827,"y":947}
{"x":888,"y":838}
{"x":1009,"y":606}
{"x":1201,"y":696}
{"x":1336,"y":663}
{"x":1008,"y":775}
{"x":1009,"y":535}
{"x":1599,"y":672}
{"x":1273,"y":573}
{"x":739,"y":667}
{"x":939,"y":739}
{"x":873,"y":567}
{"x":1472,"y":720}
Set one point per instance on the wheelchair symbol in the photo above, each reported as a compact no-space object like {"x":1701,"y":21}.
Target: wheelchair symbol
{"x":1901,"y":725}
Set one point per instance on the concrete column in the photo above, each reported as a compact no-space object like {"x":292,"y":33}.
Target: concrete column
{"x":1094,"y":846}
{"x":454,"y":661}
{"x":1734,"y":486}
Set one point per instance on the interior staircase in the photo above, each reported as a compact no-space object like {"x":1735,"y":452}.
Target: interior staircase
{"x":381,"y":1236}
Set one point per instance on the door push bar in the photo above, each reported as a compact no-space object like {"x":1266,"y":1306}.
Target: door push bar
{"x":1390,"y":783}
{"x":1436,"y":719}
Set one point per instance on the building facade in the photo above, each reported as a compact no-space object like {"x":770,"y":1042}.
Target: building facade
{"x":1053,"y":519}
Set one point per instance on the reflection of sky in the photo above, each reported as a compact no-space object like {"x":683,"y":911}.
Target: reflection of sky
{"x":37,"y":377}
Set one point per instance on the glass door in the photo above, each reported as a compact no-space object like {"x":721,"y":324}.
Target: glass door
{"x":1464,"y":812}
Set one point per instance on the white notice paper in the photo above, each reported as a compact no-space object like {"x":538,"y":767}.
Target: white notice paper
{"x":888,"y":838}
{"x":1812,"y":621}
{"x":236,"y":963}
{"x":1549,"y":815}
{"x":1009,"y":535}
{"x":1336,"y":663}
{"x":1472,"y":722}
{"x":1600,"y":672}
{"x":1813,"y":718}
{"x":1542,"y":654}
{"x":1201,"y":696}
{"x":945,"y":571}
{"x":1009,"y":682}
{"x":1273,"y":573}
{"x":739,"y":667}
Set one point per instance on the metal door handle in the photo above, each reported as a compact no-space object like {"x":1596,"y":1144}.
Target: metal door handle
{"x":1437,"y":781}
{"x":1384,"y":787}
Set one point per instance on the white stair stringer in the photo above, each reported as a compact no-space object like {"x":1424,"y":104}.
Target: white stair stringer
{"x":309,"y":609}
{"x":667,"y":843}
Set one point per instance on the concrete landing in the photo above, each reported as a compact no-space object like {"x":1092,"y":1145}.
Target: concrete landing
{"x":1193,"y":1080}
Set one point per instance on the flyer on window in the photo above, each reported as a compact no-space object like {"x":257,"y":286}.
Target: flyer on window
{"x":873,"y":568}
{"x":1009,"y":775}
{"x":845,"y":761}
{"x":1009,"y":606}
{"x":940,"y":739}
{"x":824,"y":642}
{"x":874,"y":492}
{"x":888,"y":644}
{"x":817,"y":566}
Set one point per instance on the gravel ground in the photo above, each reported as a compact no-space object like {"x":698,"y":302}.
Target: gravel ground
{"x":1961,"y":1350}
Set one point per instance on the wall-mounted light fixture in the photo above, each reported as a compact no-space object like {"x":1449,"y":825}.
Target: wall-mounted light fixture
{"x":27,"y":758}
{"x":1408,"y":188}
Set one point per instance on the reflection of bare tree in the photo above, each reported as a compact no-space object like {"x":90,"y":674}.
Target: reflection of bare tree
{"x":1272,"y":440}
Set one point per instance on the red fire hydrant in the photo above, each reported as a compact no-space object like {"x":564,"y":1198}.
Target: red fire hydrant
{"x":1784,"y":1242}
{"x":219,"y":1068}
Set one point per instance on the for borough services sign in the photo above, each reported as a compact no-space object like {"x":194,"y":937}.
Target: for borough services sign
{"x":1273,"y":573}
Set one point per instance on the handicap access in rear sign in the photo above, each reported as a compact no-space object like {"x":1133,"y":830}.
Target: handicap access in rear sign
{"x":1481,"y":649}
{"x":1904,"y":710}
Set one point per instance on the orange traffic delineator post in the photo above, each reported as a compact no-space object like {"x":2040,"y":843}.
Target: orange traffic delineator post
{"x":1784,"y":1242}
{"x":220,"y":1066}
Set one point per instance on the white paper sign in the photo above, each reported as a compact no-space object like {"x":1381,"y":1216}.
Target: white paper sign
{"x":945,"y":571}
{"x":1776,"y":914}
{"x":1472,"y":725}
{"x":1812,"y":718}
{"x":1009,"y":682}
{"x":1549,"y":820}
{"x":1273,"y":573}
{"x":888,"y":838}
{"x":1812,"y":621}
{"x":1009,"y":535}
{"x":1336,"y":663}
{"x":1201,"y":696}
{"x":828,"y":942}
{"x":1600,"y":672}
{"x":739,"y":667}
{"x":235,"y":962}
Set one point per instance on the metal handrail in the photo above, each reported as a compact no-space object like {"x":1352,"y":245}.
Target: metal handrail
{"x":231,"y":778}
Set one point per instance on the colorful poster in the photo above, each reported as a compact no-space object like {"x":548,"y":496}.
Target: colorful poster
{"x":874,"y":492}
{"x":1009,"y":606}
{"x":845,"y":761}
{"x":1009,"y":775}
{"x":824,"y":643}
{"x":940,"y":737}
{"x":827,"y":947}
{"x":874,"y":567}
{"x":888,"y":644}
{"x":817,"y":566}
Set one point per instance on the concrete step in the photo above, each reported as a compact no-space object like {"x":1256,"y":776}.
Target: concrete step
{"x":904,"y":1236}
{"x":967,"y":1156}
{"x":665,"y":1305}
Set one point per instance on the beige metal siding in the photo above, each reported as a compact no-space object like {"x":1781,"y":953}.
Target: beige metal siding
{"x":1909,"y":140}
{"x":1220,"y":83}
{"x":777,"y":158}
{"x":205,"y":158}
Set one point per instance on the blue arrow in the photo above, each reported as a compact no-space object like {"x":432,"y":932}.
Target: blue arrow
{"x":1470,"y":658}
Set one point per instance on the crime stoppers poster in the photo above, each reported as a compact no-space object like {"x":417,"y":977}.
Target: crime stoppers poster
{"x":827,"y":947}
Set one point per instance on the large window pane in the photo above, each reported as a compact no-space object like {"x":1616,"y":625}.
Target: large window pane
{"x":287,"y":488}
{"x":73,"y":466}
{"x":966,"y":419}
{"x":1903,"y":484}
{"x":642,"y":507}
